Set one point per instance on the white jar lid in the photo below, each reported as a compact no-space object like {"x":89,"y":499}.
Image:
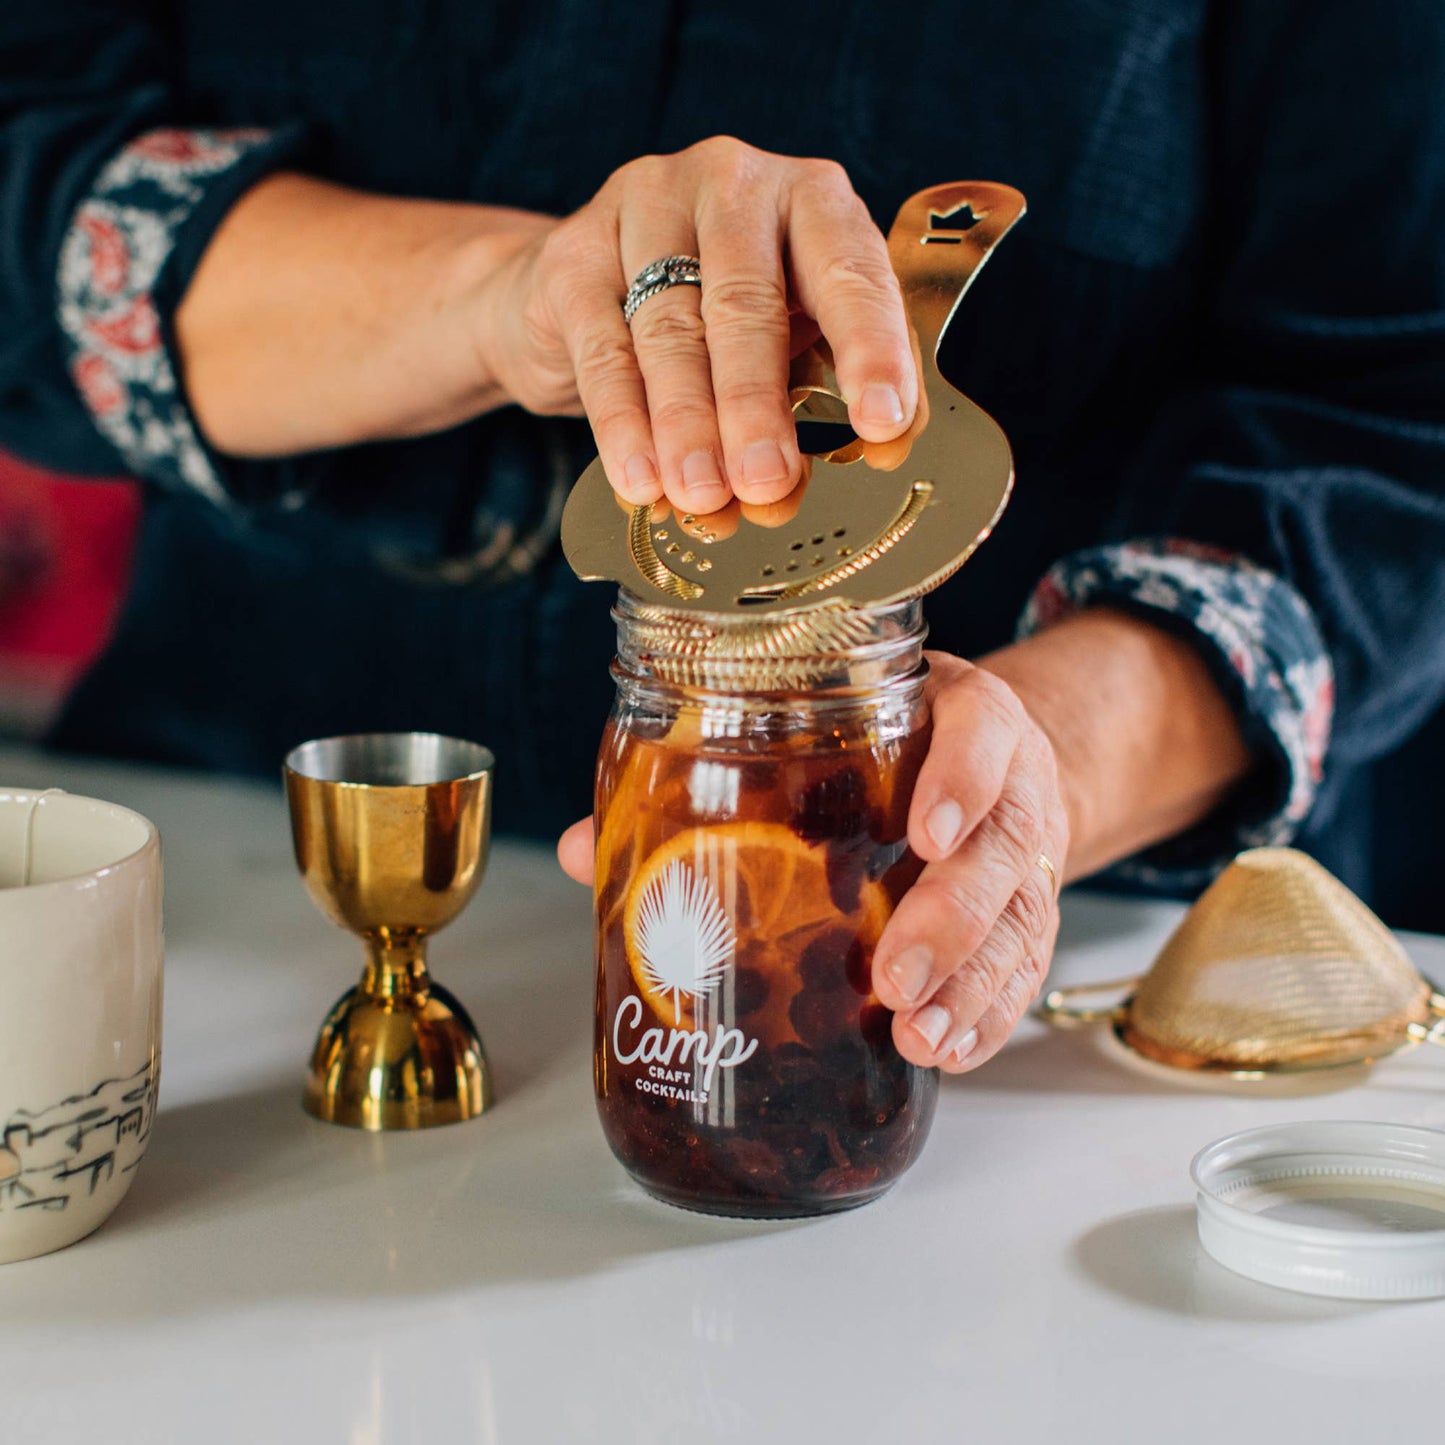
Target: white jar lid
{"x":1351,"y":1210}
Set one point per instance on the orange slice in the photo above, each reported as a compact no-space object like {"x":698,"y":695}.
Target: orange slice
{"x":712,"y":895}
{"x":645,"y":776}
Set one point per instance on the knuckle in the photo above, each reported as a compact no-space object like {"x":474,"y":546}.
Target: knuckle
{"x":1034,"y":972}
{"x":955,"y":707}
{"x":720,"y":144}
{"x":726,"y":154}
{"x":1017,"y":993}
{"x":1000,"y":1020}
{"x":601,"y":357}
{"x":1032,"y":907}
{"x":1017,"y":822}
{"x":970,"y":916}
{"x":945,"y":670}
{"x":732,"y":300}
{"x":747,"y":394}
{"x":664,"y":328}
{"x":860,"y":278}
{"x":609,"y":415}
{"x":645,"y":170}
{"x":993,"y":693}
{"x":566,"y":255}
{"x":1038,"y":753}
{"x":827,"y":174}
{"x":882,"y":351}
{"x":976,"y":985}
{"x":549,"y":394}
{"x":683,"y":414}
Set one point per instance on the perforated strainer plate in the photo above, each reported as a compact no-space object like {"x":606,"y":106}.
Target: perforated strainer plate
{"x":871,"y":522}
{"x":1351,"y":1210}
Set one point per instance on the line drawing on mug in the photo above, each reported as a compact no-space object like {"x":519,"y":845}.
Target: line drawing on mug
{"x":46,"y":1158}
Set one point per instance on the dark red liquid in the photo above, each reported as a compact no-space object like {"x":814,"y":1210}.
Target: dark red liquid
{"x":775,"y":1089}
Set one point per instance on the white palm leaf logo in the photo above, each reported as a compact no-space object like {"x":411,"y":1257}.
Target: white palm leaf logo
{"x":684,"y":938}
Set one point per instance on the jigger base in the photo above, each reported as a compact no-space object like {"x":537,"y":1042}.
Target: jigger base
{"x":400,"y":1063}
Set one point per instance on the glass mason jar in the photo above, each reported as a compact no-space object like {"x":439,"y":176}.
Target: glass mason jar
{"x":752,"y":808}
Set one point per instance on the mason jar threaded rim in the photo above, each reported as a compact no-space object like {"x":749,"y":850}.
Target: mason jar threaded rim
{"x":829,"y":647}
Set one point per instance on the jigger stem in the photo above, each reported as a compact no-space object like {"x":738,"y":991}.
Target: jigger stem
{"x":398,"y":1051}
{"x":395,"y":966}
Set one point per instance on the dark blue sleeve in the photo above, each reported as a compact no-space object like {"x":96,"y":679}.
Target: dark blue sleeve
{"x":107,"y":193}
{"x":76,"y":80}
{"x":1312,"y":440}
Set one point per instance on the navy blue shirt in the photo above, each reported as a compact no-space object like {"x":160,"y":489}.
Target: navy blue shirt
{"x":1223,"y":320}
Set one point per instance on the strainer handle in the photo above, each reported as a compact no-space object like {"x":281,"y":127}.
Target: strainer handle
{"x":1435,"y":1033}
{"x":1058,"y":1010}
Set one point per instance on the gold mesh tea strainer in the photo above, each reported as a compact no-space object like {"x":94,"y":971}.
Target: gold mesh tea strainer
{"x":1277,"y":968}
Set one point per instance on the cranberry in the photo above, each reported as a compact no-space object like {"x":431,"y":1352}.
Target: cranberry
{"x":836,"y":806}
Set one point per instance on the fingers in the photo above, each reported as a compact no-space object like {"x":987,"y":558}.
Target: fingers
{"x":575,"y":852}
{"x":692,"y":400}
{"x":669,"y":338}
{"x":978,"y":725}
{"x":950,"y":912}
{"x":978,"y":815}
{"x":973,"y":1014}
{"x":844,"y":279}
{"x":749,"y":334}
{"x":583,"y":280}
{"x":968,"y":946}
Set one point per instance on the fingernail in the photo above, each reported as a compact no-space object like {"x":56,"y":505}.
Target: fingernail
{"x":910,"y":971}
{"x":640,"y":471}
{"x":964,"y":1047}
{"x":702,"y":477}
{"x":945,"y":822}
{"x":880,"y":405}
{"x":763,"y":463}
{"x":931,"y":1021}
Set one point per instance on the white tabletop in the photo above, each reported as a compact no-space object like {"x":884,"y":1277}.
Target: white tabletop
{"x":271,"y":1278}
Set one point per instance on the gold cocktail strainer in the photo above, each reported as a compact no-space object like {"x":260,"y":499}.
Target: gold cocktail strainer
{"x":1277,"y":968}
{"x":771,"y":596}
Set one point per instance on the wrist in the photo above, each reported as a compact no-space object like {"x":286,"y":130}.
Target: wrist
{"x":320,"y":316}
{"x":483,"y":281}
{"x":1146,"y":743}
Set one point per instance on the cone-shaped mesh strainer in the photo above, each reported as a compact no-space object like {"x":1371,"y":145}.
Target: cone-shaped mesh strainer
{"x":1277,"y":968}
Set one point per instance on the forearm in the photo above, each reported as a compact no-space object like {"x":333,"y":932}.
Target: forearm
{"x":321,"y":317}
{"x":1146,"y":744}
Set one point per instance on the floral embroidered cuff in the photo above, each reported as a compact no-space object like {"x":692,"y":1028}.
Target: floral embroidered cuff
{"x":114,"y":275}
{"x":1264,"y":649}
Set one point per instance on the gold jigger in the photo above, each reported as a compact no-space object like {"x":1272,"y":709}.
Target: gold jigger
{"x":392,"y":832}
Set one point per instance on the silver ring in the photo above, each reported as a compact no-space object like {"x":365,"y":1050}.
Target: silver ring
{"x":653,"y":280}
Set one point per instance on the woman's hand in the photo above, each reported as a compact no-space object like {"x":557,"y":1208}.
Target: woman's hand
{"x":691,"y":400}
{"x":1086,"y":743}
{"x":968,"y":947}
{"x":321,"y":316}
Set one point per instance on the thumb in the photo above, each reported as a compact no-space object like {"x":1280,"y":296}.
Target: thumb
{"x":574,"y":851}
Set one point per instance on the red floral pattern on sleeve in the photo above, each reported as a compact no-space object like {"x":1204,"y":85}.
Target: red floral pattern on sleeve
{"x":112,"y":255}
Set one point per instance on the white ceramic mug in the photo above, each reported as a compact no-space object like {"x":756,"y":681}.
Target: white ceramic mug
{"x":80,"y":1012}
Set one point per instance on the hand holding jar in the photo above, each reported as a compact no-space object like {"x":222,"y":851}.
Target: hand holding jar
{"x":1082,"y":744}
{"x":967,"y":946}
{"x":822,"y":866}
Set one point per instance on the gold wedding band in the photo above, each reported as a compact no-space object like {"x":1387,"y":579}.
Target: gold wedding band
{"x":1043,"y":862}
